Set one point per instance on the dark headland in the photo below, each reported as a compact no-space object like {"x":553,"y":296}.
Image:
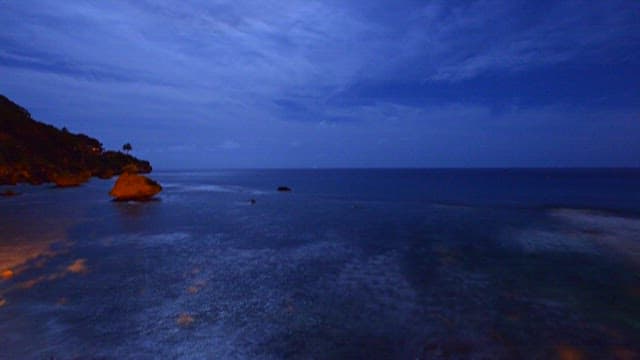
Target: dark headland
{"x":34,"y":152}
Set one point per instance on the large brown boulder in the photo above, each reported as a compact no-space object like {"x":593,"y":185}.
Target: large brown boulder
{"x":134,"y":187}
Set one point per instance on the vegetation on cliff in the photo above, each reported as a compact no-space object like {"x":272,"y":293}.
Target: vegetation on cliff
{"x":34,"y":152}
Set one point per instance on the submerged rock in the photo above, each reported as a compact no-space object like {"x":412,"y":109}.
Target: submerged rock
{"x":184,"y":320}
{"x":284,"y":188}
{"x":8,"y":193}
{"x":134,"y":187}
{"x":78,"y":267}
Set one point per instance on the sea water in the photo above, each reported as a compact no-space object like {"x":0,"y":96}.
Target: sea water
{"x":390,"y":264}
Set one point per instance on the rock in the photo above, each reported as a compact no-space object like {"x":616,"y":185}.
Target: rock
{"x":184,"y":320}
{"x":105,"y":174}
{"x":8,"y":193}
{"x":252,"y":201}
{"x":134,"y":187}
{"x":118,"y":163}
{"x":78,"y":267}
{"x":284,"y":189}
{"x":7,"y":274}
{"x":71,"y":179}
{"x":565,"y":352}
{"x":136,"y":168}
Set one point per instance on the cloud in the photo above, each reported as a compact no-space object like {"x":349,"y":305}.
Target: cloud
{"x":560,"y":32}
{"x":229,"y":145}
{"x":268,"y":74}
{"x":284,"y":46}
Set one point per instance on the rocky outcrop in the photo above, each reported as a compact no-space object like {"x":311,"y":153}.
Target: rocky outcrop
{"x":284,"y":188}
{"x":134,"y":187}
{"x":36,"y":153}
{"x":71,"y":179}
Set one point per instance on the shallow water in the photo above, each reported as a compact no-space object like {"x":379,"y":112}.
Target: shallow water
{"x":352,"y":264}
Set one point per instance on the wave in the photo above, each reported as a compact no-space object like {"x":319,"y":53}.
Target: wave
{"x":160,"y":239}
{"x":583,"y":231}
{"x":207,"y":188}
{"x":598,"y":219}
{"x":538,"y":240}
{"x":617,"y":233}
{"x":184,"y":188}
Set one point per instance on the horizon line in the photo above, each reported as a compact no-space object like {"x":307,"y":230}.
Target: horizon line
{"x":410,"y":168}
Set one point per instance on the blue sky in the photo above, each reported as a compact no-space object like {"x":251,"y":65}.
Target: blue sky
{"x":203,"y":84}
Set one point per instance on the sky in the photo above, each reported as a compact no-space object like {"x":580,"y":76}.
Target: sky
{"x":363,"y":83}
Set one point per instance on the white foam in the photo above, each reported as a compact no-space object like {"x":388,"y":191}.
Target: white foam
{"x":153,"y":239}
{"x":182,"y":188}
{"x":203,"y":188}
{"x":534,"y":240}
{"x":617,"y":233}
{"x":582,"y":231}
{"x":600,"y":221}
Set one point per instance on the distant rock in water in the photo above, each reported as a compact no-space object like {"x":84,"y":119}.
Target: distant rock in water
{"x":8,"y":193}
{"x":134,"y":187}
{"x":36,"y":153}
{"x":284,"y":188}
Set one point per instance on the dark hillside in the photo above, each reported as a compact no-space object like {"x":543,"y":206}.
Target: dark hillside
{"x":34,"y":152}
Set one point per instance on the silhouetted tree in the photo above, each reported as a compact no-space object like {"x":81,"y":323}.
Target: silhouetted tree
{"x":127,"y":147}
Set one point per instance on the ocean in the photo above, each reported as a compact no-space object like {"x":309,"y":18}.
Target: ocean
{"x":351,"y":264}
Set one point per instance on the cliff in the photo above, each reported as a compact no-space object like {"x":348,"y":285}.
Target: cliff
{"x":34,"y":152}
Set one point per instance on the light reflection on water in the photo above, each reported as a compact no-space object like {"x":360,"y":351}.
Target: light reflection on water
{"x":30,"y":248}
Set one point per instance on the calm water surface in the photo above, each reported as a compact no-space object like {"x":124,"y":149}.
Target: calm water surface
{"x":390,"y":264}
